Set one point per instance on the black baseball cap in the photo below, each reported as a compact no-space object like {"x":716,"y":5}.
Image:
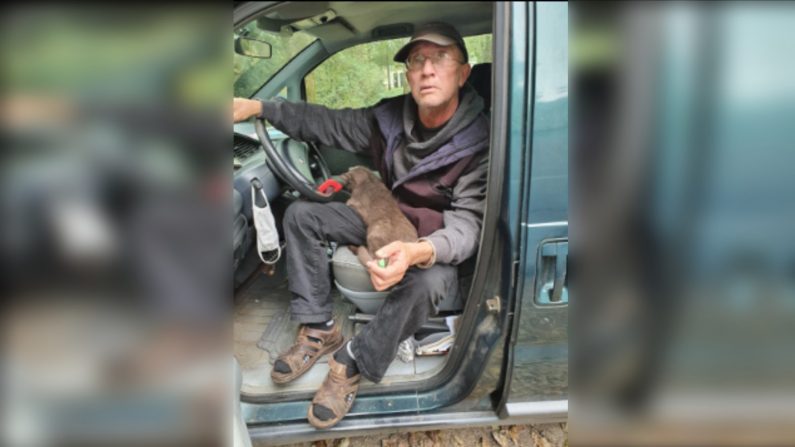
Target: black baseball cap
{"x":439,"y":33}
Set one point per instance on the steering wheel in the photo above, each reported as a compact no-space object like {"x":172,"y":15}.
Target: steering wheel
{"x":298,"y":163}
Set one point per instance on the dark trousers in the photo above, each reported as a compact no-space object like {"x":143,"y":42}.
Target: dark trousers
{"x":308,"y":227}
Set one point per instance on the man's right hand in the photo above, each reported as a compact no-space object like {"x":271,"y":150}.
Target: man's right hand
{"x":244,"y":109}
{"x":400,"y":256}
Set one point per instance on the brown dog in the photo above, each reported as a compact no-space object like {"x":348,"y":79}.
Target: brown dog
{"x":374,"y":203}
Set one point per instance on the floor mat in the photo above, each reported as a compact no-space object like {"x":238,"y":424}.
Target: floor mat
{"x":280,"y":333}
{"x":263,"y":329}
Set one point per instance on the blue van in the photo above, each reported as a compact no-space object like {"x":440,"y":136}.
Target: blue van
{"x":507,"y":356}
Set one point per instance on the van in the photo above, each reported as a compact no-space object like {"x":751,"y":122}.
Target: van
{"x":505,"y":359}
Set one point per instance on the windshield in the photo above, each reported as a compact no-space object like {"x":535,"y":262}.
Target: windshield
{"x":252,"y":73}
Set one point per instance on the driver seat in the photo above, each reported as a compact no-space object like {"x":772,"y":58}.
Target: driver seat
{"x":353,"y":281}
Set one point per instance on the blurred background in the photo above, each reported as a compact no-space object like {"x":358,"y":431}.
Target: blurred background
{"x":114,"y":236}
{"x":682,"y":217}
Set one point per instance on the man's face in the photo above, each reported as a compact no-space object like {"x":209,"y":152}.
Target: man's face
{"x":436,"y":75}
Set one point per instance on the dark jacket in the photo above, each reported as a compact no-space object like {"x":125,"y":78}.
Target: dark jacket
{"x":442,"y":188}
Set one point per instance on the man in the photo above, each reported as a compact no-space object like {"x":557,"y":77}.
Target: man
{"x":430,"y":148}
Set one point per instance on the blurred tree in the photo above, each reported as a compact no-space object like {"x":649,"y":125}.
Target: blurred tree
{"x":479,"y":49}
{"x":361,"y":76}
{"x":251,"y":73}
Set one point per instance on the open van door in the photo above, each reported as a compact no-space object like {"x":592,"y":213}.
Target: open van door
{"x":536,"y":361}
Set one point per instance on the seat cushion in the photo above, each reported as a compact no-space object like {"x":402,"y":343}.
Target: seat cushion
{"x":349,"y":272}
{"x":353,"y":281}
{"x":366,"y":302}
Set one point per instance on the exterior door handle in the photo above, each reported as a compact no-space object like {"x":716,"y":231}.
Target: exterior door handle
{"x":551,"y":274}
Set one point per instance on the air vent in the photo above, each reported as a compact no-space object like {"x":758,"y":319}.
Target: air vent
{"x":245,"y":148}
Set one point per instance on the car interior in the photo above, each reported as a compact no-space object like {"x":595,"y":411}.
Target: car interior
{"x":285,"y":171}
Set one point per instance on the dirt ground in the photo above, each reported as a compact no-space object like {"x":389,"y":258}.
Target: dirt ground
{"x":548,"y":435}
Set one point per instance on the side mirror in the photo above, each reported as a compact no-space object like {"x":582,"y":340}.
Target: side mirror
{"x":247,"y":46}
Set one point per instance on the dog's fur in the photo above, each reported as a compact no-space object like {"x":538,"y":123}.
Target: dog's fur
{"x":374,"y":203}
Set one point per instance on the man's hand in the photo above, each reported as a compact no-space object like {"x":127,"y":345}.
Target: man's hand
{"x":400,"y":256}
{"x":245,"y":108}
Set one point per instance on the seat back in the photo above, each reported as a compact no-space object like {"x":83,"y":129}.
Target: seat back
{"x":480,"y":80}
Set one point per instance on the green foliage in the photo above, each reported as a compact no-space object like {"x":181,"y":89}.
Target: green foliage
{"x":251,"y":73}
{"x":479,"y":48}
{"x":357,"y":77}
{"x":361,"y":76}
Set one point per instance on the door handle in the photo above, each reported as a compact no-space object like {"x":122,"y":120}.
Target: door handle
{"x":551,"y":273}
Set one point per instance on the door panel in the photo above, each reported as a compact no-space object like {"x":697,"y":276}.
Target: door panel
{"x":539,"y":343}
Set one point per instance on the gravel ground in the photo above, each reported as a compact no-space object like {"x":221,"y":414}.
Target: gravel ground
{"x":548,"y":435}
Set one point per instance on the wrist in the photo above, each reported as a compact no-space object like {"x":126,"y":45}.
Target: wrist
{"x":422,"y":253}
{"x":258,"y":108}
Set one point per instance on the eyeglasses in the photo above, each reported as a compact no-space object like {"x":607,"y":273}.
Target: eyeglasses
{"x":438,"y":59}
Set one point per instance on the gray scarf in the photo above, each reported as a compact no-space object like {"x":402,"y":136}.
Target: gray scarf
{"x":470,"y":104}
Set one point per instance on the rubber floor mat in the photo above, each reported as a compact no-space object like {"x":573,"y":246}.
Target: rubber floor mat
{"x":280,"y":333}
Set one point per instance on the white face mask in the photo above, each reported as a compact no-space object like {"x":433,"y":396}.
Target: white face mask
{"x":267,"y":235}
